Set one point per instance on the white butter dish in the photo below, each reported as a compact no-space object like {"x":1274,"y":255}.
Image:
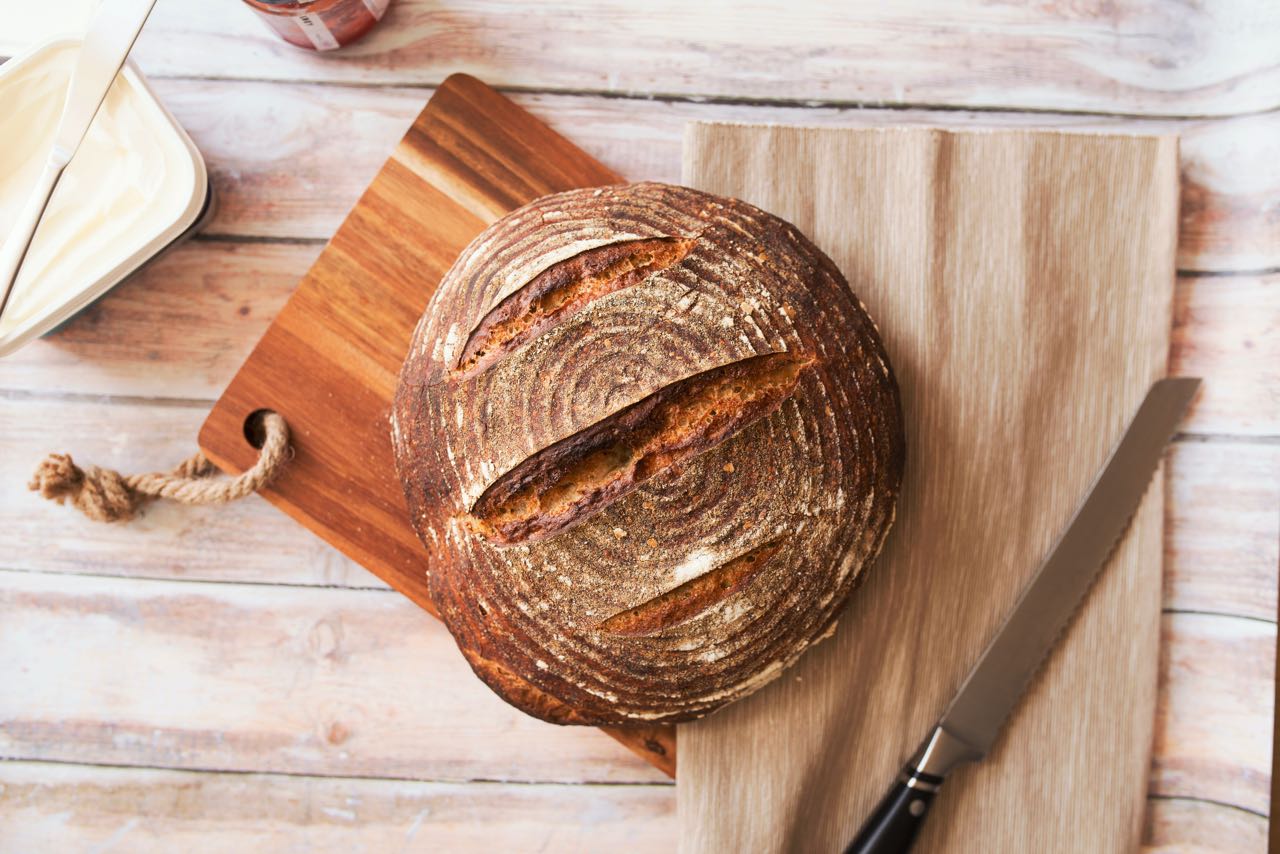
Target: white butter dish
{"x":136,"y":186}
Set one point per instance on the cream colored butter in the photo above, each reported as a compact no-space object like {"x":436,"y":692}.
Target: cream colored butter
{"x":129,"y":184}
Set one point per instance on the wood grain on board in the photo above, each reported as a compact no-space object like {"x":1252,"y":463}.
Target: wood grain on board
{"x":329,"y":361}
{"x":980,"y":255}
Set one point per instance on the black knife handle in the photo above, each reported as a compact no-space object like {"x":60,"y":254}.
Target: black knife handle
{"x":892,"y":827}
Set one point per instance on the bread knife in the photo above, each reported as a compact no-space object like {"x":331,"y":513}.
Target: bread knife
{"x":972,"y":722}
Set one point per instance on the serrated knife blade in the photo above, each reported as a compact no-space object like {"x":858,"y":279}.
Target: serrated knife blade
{"x":997,"y":681}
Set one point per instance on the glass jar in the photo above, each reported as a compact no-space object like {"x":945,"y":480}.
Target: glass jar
{"x":320,"y":24}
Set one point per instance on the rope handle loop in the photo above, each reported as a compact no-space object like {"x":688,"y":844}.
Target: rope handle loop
{"x":105,"y":495}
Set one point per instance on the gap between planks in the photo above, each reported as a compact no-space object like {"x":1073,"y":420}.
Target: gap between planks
{"x":479,"y":782}
{"x":1236,"y":438}
{"x":270,"y":239}
{"x":222,"y":584}
{"x":427,"y":87}
{"x":1200,"y":612}
{"x":665,"y":783}
{"x":1185,"y":799}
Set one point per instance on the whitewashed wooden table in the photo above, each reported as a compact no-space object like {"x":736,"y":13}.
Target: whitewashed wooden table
{"x":207,"y":679}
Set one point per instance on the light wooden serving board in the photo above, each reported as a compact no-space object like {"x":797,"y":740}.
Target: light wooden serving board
{"x":329,"y":361}
{"x":1023,"y":283}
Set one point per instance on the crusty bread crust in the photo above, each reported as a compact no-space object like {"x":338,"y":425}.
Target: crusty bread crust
{"x":635,"y":513}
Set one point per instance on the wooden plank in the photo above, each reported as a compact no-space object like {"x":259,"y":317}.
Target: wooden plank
{"x":1179,"y":826}
{"x":1225,"y":330}
{"x":181,"y":328}
{"x":1222,"y":528}
{"x":980,"y":256}
{"x":248,"y":541}
{"x":1214,"y":720}
{"x":295,"y":158}
{"x":45,"y":807}
{"x":359,"y":683}
{"x":1146,"y":57}
{"x":257,"y":678}
{"x":1220,"y":551}
{"x":1230,"y":167}
{"x":178,"y":329}
{"x":57,"y":807}
{"x":1230,"y":181}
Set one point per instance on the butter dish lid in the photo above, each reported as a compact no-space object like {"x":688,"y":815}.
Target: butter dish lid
{"x":136,"y":185}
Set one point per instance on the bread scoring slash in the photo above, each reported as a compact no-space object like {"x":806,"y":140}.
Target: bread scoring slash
{"x":652,"y":441}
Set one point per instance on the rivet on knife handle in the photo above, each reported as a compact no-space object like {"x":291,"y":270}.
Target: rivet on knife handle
{"x":995,"y":684}
{"x":897,"y":818}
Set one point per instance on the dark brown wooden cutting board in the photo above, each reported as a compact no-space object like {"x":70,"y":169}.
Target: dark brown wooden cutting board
{"x":329,"y":361}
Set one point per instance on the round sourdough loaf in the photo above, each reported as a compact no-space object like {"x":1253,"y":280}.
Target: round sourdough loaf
{"x":651,"y":440}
